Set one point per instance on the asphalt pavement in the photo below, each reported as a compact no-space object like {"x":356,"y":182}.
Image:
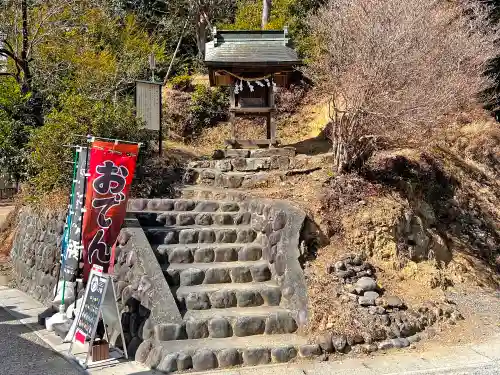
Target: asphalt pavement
{"x":26,"y":349}
{"x":22,"y":352}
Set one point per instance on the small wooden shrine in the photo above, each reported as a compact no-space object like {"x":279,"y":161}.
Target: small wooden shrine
{"x":252,"y":64}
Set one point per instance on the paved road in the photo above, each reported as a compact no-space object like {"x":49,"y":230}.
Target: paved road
{"x":4,"y":212}
{"x":23,"y":353}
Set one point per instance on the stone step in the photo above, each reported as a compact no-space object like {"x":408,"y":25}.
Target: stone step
{"x":207,"y":253}
{"x":183,"y":218}
{"x":206,"y":296}
{"x":199,"y":234}
{"x":182,"y":205}
{"x":254,"y":153}
{"x":244,"y":164}
{"x":232,"y":180}
{"x":240,"y":322}
{"x":205,"y":192}
{"x":218,"y":272}
{"x":210,"y":353}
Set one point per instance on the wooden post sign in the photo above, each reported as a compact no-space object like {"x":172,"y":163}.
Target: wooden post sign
{"x":99,"y":301}
{"x":148,"y":105}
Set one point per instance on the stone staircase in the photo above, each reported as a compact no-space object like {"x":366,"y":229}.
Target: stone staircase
{"x":232,"y":266}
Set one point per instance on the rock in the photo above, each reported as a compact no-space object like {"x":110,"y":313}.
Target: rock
{"x":204,"y":359}
{"x":180,"y":255}
{"x":197,"y":301}
{"x":187,"y":236}
{"x":414,"y":338}
{"x":366,"y":284}
{"x":339,"y":342}
{"x":322,"y":357}
{"x":354,"y":339}
{"x":217,"y":276}
{"x":143,"y":351}
{"x":339,"y":266}
{"x":384,"y":345}
{"x":168,"y":364}
{"x":279,"y":221}
{"x":184,"y":205}
{"x":357,"y":260}
{"x":368,"y":298}
{"x":223,"y":299}
{"x":250,"y":253}
{"x":168,"y":332}
{"x":206,"y":235}
{"x":369,"y":348}
{"x":271,"y":296}
{"x":376,"y":310}
{"x":247,"y":298}
{"x":260,"y":272}
{"x":241,"y":275}
{"x":325,"y":343}
{"x":191,"y":276}
{"x":185,"y":219}
{"x":280,"y":322}
{"x":219,"y":327}
{"x":154,"y":357}
{"x":248,"y":326}
{"x":256,"y":356}
{"x":282,"y":355}
{"x":204,"y":255}
{"x":184,"y":362}
{"x":225,"y":255}
{"x":228,"y":358}
{"x":196,"y":329}
{"x":393,"y":302}
{"x":400,"y":342}
{"x":345,"y":274}
{"x":309,"y":350}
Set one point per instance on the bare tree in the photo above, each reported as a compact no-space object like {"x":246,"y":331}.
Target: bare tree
{"x":398,"y":68}
{"x":266,"y":12}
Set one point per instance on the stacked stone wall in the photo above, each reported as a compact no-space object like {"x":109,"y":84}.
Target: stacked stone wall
{"x":36,"y":252}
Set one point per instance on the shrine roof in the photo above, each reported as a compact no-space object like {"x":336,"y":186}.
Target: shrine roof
{"x":250,"y":48}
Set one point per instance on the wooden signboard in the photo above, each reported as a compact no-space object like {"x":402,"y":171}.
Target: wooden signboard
{"x":148,"y":106}
{"x":99,"y":302}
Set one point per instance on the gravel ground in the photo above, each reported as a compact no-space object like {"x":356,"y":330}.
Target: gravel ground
{"x":23,"y":353}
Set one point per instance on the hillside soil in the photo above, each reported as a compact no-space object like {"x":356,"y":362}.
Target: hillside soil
{"x":426,"y":217}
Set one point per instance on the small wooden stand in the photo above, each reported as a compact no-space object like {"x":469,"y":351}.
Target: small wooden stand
{"x":100,"y":351}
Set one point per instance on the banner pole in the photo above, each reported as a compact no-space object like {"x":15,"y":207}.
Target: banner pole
{"x":83,"y":216}
{"x":67,"y":228}
{"x":90,"y":137}
{"x":75,"y":169}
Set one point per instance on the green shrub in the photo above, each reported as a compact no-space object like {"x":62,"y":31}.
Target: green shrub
{"x":186,"y":114}
{"x":182,"y":82}
{"x":78,"y":115}
{"x":208,"y":106}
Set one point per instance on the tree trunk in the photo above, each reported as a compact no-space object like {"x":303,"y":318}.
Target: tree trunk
{"x":24,"y":52}
{"x":266,"y":12}
{"x":339,"y":147}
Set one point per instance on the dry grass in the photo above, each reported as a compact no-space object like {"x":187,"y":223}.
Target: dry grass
{"x":396,"y":69}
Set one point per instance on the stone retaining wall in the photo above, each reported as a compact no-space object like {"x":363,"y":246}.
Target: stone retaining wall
{"x":144,"y":297}
{"x":36,"y":252}
{"x":279,"y":225}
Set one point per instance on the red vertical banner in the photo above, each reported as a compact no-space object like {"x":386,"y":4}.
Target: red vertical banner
{"x":111,"y":170}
